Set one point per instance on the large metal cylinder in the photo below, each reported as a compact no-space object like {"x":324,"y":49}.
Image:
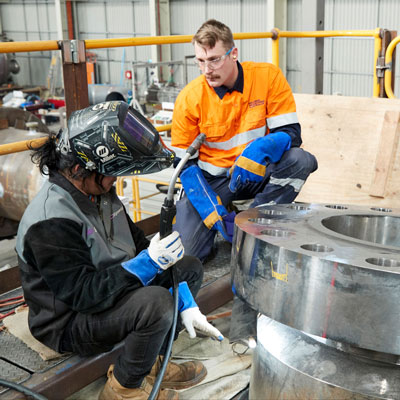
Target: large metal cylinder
{"x":288,"y":364}
{"x":20,"y":179}
{"x":332,"y":271}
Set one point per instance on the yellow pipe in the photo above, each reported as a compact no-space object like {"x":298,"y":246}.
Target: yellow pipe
{"x":136,"y":41}
{"x":156,"y":40}
{"x":18,"y":47}
{"x":275,"y":51}
{"x":377,"y":52}
{"x":388,"y":72}
{"x":47,"y":45}
{"x":16,"y":147}
{"x":308,"y":34}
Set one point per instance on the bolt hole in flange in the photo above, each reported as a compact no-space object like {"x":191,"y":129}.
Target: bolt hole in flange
{"x":336,"y":207}
{"x":319,"y":248}
{"x":298,"y":208}
{"x":383,"y":262}
{"x":276,"y":232}
{"x":271,"y":212}
{"x":379,"y":229}
{"x":381,"y":209}
{"x":262,"y":221}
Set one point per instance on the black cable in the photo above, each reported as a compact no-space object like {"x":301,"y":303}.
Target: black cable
{"x":160,"y":376}
{"x":21,"y":389}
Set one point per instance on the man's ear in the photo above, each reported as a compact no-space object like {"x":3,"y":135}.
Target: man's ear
{"x":235,"y":53}
{"x":75,"y":168}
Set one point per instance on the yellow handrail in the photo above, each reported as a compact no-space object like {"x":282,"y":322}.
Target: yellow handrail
{"x":24,"y":145}
{"x":275,"y":34}
{"x":388,"y":63}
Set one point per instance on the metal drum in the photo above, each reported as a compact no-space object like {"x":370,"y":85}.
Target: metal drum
{"x":20,"y":179}
{"x":332,"y":271}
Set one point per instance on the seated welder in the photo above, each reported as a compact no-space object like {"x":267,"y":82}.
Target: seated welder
{"x":90,"y":276}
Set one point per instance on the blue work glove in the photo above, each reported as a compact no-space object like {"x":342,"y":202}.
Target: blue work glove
{"x":159,"y":256}
{"x":206,"y":202}
{"x":250,"y":166}
{"x":191,"y":316}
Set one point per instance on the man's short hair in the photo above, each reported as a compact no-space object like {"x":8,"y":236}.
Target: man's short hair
{"x":212,"y":31}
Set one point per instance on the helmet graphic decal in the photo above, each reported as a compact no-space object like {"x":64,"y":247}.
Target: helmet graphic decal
{"x":114,"y":139}
{"x":102,"y":151}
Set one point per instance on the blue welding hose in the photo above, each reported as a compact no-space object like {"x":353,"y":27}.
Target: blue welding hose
{"x":21,"y":389}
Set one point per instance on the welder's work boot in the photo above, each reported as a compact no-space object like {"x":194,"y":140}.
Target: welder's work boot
{"x":178,"y":376}
{"x":113,"y":390}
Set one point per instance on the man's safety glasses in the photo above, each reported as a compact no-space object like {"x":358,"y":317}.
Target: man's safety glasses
{"x":215,"y":63}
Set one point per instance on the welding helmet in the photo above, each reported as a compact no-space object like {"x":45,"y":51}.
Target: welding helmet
{"x":115,"y":140}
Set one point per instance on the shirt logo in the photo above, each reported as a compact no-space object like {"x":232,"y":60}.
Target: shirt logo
{"x":255,"y":103}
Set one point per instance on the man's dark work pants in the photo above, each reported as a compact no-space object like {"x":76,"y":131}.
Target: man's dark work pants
{"x":142,"y":319}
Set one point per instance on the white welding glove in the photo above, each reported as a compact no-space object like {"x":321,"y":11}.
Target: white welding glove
{"x":166,"y":252}
{"x":192,"y":318}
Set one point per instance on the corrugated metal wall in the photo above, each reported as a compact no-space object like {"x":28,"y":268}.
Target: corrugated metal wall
{"x":21,"y":21}
{"x":239,"y":15}
{"x":348,"y":62}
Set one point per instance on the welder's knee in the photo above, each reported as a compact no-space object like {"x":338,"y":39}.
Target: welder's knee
{"x":156,"y":306}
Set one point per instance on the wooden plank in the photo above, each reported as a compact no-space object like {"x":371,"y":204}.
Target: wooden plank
{"x":344,"y":134}
{"x":386,"y":153}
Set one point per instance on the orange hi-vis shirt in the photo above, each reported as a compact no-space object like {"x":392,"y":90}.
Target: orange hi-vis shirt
{"x":235,"y":120}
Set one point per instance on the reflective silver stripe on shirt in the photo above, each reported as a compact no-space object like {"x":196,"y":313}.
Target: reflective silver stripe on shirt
{"x":180,"y":153}
{"x":212,"y":169}
{"x":238,"y":139}
{"x":295,"y":182}
{"x":281,"y":120}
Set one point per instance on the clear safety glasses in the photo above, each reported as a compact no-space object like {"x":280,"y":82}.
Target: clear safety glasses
{"x":214,"y":63}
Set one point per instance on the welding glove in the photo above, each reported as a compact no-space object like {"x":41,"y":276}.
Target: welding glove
{"x":159,"y":256}
{"x":251,"y":165}
{"x":206,"y":202}
{"x":191,"y":316}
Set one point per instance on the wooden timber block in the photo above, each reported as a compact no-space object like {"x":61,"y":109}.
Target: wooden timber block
{"x":386,"y":153}
{"x":3,"y":123}
{"x":356,"y":142}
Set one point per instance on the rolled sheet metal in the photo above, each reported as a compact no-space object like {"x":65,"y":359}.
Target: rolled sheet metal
{"x":325,"y":269}
{"x":289,"y":364}
{"x":20,"y":179}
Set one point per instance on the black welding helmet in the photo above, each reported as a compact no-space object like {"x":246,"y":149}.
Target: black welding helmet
{"x":115,"y":140}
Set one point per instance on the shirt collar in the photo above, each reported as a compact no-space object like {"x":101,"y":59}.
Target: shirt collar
{"x":238,"y":86}
{"x":83,"y":201}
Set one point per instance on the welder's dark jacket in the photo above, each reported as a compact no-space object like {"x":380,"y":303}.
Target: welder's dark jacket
{"x":70,"y":251}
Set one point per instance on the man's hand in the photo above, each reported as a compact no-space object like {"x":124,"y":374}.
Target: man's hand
{"x":191,"y":316}
{"x":193,"y":319}
{"x":158,"y":257}
{"x":250,"y":166}
{"x":166,"y":252}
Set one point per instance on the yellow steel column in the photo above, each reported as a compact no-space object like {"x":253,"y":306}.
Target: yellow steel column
{"x":377,"y":51}
{"x":275,"y":46}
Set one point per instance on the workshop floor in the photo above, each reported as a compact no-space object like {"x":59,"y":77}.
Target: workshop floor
{"x":228,"y":373}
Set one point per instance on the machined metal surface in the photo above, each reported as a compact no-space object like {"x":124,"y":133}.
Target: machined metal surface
{"x":288,"y":364}
{"x":328,"y":270}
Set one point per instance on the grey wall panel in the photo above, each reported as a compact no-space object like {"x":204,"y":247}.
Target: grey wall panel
{"x":253,"y":17}
{"x":348,"y":63}
{"x":27,"y":21}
